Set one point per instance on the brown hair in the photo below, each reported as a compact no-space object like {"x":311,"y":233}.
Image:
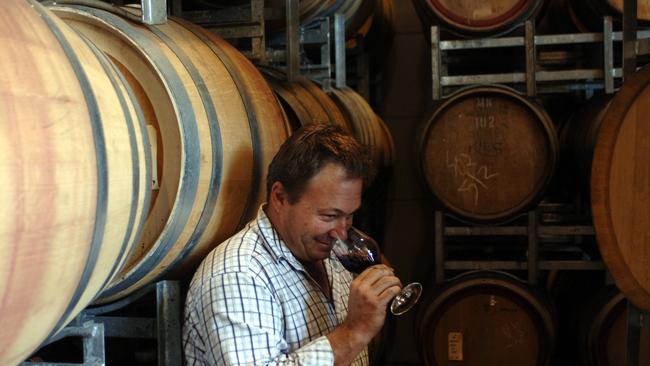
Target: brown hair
{"x":309,"y":149}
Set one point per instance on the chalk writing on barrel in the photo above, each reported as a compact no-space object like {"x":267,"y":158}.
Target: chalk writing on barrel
{"x":473,"y":175}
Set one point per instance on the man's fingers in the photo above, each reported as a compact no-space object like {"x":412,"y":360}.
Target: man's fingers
{"x":376,"y":280}
{"x":389,"y":293}
{"x":373,"y":273}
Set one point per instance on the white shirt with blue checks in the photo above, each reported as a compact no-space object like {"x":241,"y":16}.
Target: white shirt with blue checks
{"x":251,"y":302}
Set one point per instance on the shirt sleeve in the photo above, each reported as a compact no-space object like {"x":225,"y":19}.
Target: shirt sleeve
{"x":241,"y":323}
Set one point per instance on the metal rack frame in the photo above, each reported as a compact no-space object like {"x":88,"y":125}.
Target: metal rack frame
{"x":315,"y":34}
{"x":93,"y":326}
{"x":570,"y":79}
{"x":636,"y":319}
{"x":248,"y":22}
{"x":318,"y":32}
{"x":92,"y":335}
{"x":532,"y":230}
{"x":235,"y":22}
{"x":634,"y":43}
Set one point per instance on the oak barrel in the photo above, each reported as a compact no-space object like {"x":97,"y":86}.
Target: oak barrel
{"x":487,"y":153}
{"x":577,"y":137}
{"x":74,"y":170}
{"x":471,"y":18}
{"x":366,"y":125}
{"x":303,"y":101}
{"x":485,"y":318}
{"x":620,"y":188}
{"x":603,"y":331}
{"x":217,"y":126}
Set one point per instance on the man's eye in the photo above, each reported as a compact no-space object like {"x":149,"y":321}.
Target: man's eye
{"x":331,"y":217}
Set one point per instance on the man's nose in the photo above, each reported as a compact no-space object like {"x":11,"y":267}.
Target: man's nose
{"x":340,"y":230}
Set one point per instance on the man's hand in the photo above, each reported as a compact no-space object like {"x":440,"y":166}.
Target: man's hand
{"x":370,"y":294}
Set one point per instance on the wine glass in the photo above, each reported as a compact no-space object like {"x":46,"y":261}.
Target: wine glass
{"x":358,"y":252}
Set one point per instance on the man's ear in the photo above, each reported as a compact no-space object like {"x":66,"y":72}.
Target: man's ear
{"x":278,"y":195}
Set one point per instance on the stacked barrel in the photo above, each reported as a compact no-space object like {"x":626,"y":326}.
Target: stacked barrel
{"x":486,"y":318}
{"x":306,"y":101}
{"x":129,"y":151}
{"x":489,"y":153}
{"x":478,"y":19}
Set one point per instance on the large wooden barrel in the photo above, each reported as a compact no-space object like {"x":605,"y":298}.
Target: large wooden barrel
{"x":366,"y":125}
{"x":470,"y":18}
{"x":603,"y":331}
{"x":375,"y":36}
{"x":378,"y":39}
{"x":577,"y":137}
{"x":485,"y":319}
{"x":217,"y":126}
{"x":620,"y":188}
{"x":74,"y":171}
{"x":571,"y":292}
{"x":488,"y":153}
{"x":377,"y":28}
{"x":304,"y":102}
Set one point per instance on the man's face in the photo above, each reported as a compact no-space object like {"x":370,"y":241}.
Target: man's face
{"x":324,"y":209}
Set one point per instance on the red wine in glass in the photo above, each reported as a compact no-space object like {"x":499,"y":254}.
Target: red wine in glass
{"x":355,"y":264}
{"x":358,"y":252}
{"x":358,"y":257}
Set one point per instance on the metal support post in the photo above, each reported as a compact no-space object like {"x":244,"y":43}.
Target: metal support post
{"x":439,"y":222}
{"x":435,"y":62}
{"x":533,"y":255}
{"x":339,"y":49}
{"x":154,"y":11}
{"x":608,"y":55}
{"x":629,"y":37}
{"x":292,"y":40}
{"x":633,"y":329}
{"x":325,"y":74}
{"x":94,"y":348}
{"x":169,"y":323}
{"x":531,"y":71}
{"x":258,"y":44}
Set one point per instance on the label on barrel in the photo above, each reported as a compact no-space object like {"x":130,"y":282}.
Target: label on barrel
{"x":455,"y":343}
{"x":153,"y":144}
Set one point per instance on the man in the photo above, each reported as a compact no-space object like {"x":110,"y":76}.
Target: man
{"x":274,"y":293}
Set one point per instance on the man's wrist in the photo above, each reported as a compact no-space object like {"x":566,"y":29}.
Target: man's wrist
{"x":346,"y":344}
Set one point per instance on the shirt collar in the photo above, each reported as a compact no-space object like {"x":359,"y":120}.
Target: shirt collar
{"x":276,"y":246}
{"x":271,"y":237}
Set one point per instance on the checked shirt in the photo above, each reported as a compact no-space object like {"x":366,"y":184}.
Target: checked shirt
{"x":252,"y":303}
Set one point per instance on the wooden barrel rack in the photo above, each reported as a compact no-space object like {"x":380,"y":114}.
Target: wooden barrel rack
{"x":608,"y":223}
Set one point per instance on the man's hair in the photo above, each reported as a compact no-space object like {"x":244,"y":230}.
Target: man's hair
{"x":308,"y":150}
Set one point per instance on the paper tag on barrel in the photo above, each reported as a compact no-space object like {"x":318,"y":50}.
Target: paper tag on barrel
{"x":455,"y":343}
